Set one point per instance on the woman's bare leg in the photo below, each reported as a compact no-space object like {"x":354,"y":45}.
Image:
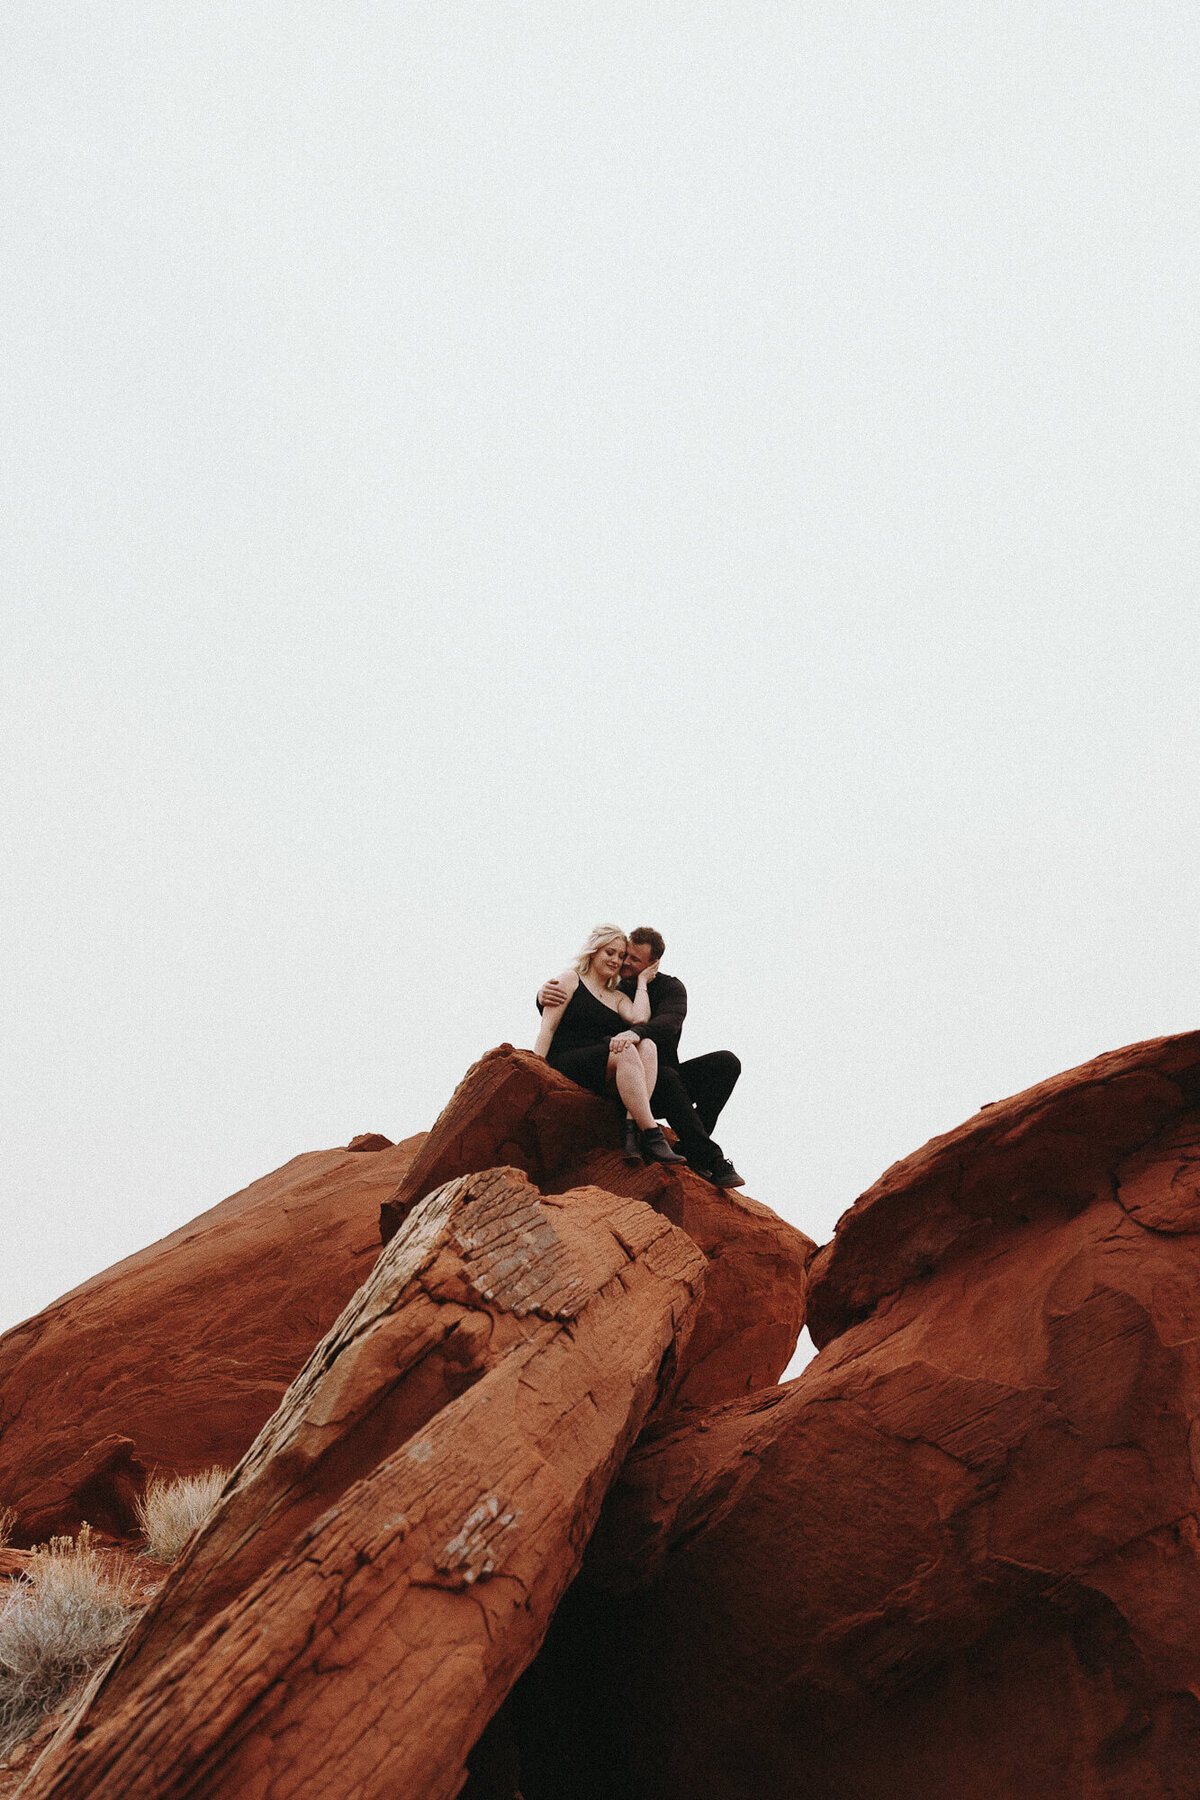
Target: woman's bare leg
{"x":648,"y":1051}
{"x":630,"y":1072}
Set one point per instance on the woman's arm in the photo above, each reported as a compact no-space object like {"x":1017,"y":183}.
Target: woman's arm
{"x":637,"y":1010}
{"x":568,"y":980}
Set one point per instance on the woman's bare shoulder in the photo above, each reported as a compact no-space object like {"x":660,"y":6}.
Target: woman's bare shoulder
{"x":569,"y":980}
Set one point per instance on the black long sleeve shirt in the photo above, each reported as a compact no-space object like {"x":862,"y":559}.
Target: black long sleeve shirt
{"x":668,"y":1010}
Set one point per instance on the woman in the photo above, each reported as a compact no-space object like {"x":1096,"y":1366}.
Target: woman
{"x":581,"y":1038}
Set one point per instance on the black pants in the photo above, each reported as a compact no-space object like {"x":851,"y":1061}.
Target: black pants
{"x":690,"y":1095}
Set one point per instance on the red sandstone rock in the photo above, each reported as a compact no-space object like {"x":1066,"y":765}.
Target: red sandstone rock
{"x":1045,"y":1153}
{"x":102,"y":1487}
{"x":959,"y":1555}
{"x":187,"y":1347}
{"x":509,"y":1108}
{"x":752,"y":1312}
{"x":512,"y":1107}
{"x":370,"y":1140}
{"x":442,"y":1457}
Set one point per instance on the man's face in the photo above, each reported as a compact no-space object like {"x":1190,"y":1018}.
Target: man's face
{"x":637,"y":958}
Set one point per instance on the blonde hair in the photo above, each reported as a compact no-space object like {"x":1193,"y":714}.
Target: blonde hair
{"x":596,"y":939}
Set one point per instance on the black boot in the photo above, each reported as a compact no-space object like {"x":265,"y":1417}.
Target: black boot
{"x":656,"y":1148}
{"x":633,"y":1141}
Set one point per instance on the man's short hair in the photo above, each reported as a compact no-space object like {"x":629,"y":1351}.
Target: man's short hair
{"x":646,"y":934}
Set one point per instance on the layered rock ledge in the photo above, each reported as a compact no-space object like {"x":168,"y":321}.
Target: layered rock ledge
{"x":536,"y":1519}
{"x":389,"y":1554}
{"x":511,"y":1107}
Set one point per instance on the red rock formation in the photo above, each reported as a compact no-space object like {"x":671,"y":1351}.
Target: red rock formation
{"x":959,"y":1555}
{"x":1045,"y":1153}
{"x":101,"y":1487}
{"x":442,"y":1458}
{"x":512,"y":1107}
{"x":753,"y":1307}
{"x":186,"y":1348}
{"x":13,"y":1563}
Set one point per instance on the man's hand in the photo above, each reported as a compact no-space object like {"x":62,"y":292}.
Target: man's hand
{"x":553,"y":993}
{"x":623,"y":1040}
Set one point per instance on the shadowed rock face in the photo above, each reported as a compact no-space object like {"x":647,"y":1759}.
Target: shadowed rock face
{"x":959,"y":1555}
{"x":512,"y":1107}
{"x":387,"y":1557}
{"x":101,"y":1487}
{"x":182,"y":1351}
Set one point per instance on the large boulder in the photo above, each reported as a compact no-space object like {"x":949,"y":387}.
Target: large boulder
{"x":1043,"y":1154}
{"x":100,"y":1488}
{"x":386,"y":1559}
{"x":512,"y":1107}
{"x":173,"y":1358}
{"x":959,"y":1554}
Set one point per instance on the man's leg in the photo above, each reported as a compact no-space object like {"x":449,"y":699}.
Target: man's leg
{"x":670,"y":1101}
{"x":709,"y":1081}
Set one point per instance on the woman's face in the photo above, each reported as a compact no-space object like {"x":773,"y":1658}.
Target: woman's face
{"x":608,"y":959}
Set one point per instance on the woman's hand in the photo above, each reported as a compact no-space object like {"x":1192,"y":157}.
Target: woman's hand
{"x":647,"y":975}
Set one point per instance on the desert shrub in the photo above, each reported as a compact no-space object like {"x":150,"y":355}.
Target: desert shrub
{"x":60,"y":1619}
{"x":8,"y":1518}
{"x":170,"y":1511}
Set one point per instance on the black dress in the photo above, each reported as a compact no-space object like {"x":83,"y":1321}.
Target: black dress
{"x":579,"y":1048}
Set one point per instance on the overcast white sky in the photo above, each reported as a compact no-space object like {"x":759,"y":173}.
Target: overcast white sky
{"x":472,"y":471}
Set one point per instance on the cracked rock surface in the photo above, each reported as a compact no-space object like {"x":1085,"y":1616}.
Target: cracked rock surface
{"x":386,"y":1558}
{"x":512,"y":1107}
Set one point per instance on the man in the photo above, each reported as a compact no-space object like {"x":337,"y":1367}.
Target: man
{"x":690,"y":1095}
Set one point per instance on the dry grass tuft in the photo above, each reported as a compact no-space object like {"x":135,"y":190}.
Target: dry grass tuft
{"x":59,"y":1620}
{"x":8,"y":1518}
{"x":171,"y":1512}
